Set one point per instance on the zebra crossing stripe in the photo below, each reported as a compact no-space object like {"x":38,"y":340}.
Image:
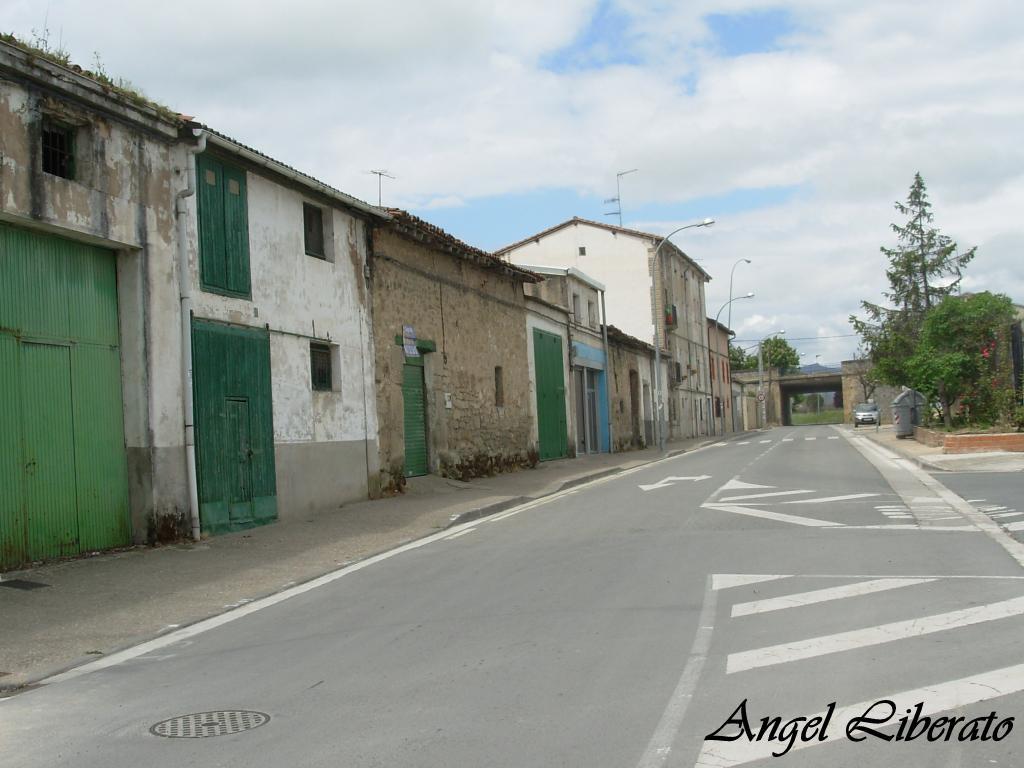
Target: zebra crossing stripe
{"x":822,"y":595}
{"x":940,"y":697}
{"x":863,"y":638}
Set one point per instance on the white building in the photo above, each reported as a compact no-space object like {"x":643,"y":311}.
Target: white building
{"x":623,"y":259}
{"x":109,"y":280}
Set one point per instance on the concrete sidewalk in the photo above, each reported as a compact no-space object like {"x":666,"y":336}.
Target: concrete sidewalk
{"x":931,"y":458}
{"x":58,"y":615}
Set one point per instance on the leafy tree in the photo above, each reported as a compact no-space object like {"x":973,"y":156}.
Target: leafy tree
{"x":740,"y":360}
{"x":962,"y":340}
{"x":924,"y":268}
{"x":778,"y":353}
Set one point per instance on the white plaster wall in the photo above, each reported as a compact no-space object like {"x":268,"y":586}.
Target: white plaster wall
{"x":299,"y":297}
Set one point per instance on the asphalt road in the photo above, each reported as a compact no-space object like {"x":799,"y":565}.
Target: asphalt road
{"x":1000,"y":495}
{"x":617,"y":624}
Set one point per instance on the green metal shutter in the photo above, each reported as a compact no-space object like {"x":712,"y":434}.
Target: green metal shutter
{"x":222,"y":203}
{"x":234,"y":426}
{"x":415,"y":417}
{"x":552,"y":430}
{"x":62,"y":456}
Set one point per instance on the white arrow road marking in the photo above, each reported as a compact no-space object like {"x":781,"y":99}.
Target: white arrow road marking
{"x":739,"y":485}
{"x":777,"y":516}
{"x":847,"y":497}
{"x":941,"y":697}
{"x":862,"y":638}
{"x":764,"y":495}
{"x":822,"y":595}
{"x":670,"y":480}
{"x":726,"y":580}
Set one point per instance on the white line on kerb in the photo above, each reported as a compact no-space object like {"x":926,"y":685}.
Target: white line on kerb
{"x":822,"y":595}
{"x":941,"y":697}
{"x":862,"y":638}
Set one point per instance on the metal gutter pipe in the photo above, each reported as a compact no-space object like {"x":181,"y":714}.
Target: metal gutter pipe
{"x":185,"y":299}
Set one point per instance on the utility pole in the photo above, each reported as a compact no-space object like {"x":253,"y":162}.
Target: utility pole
{"x":380,"y":173}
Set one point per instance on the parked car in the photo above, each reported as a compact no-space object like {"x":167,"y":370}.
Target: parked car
{"x":865,"y":413}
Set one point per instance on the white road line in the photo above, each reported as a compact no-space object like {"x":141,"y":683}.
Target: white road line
{"x":1018,"y":526}
{"x":727,"y":580}
{"x":787,"y":439}
{"x":777,"y":516}
{"x":660,"y":745}
{"x":764,"y":495}
{"x":460,"y":533}
{"x":739,"y":485}
{"x":1001,"y":515}
{"x":764,"y":441}
{"x":912,"y":527}
{"x":810,"y":438}
{"x":940,"y":697}
{"x":862,"y":638}
{"x":822,"y":595}
{"x":847,"y":497}
{"x":719,"y":445}
{"x":833,"y":437}
{"x":745,"y":442}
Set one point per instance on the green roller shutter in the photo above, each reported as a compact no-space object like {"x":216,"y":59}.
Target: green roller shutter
{"x":222,"y":205}
{"x":550,"y":372}
{"x":62,"y":457}
{"x":234,"y":426}
{"x":415,"y":417}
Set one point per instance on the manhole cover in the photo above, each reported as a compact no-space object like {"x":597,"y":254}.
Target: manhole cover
{"x":199,"y":725}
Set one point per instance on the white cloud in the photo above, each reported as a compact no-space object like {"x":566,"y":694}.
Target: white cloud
{"x":451,"y":96}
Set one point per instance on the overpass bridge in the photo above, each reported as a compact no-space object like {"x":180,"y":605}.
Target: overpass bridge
{"x":781,"y":385}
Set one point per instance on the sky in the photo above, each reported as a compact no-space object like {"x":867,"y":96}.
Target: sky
{"x":795,"y":124}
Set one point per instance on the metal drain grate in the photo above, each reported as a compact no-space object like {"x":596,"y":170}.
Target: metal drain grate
{"x":200,"y":725}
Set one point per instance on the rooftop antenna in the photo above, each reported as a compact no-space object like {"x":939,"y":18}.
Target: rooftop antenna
{"x":618,"y":194}
{"x":380,"y":173}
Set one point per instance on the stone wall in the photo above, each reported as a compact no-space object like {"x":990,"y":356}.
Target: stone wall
{"x":629,"y":358}
{"x":475,"y":318}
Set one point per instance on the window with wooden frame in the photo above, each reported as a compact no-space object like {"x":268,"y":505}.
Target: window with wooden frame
{"x":58,"y":149}
{"x":313,"y":230}
{"x":223,"y":227}
{"x":321,"y":372}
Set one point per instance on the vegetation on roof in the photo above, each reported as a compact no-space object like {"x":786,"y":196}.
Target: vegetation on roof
{"x":40,"y":47}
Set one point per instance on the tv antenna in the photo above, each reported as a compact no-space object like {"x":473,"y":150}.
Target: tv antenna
{"x":380,"y":173}
{"x":618,"y":194}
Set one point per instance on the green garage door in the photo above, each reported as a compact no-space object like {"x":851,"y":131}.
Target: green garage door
{"x":234,"y":427}
{"x":550,"y":370}
{"x":62,"y":458}
{"x":415,"y":417}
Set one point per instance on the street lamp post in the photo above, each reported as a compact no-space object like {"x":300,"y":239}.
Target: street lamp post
{"x":657,"y":340}
{"x":718,"y":315}
{"x":732,"y":271}
{"x":760,"y":378}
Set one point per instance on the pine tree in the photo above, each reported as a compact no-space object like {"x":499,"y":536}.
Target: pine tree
{"x":924,"y":268}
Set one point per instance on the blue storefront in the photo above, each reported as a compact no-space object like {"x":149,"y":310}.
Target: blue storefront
{"x":590,"y":399}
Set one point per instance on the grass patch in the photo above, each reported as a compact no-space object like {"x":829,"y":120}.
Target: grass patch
{"x":826,"y":416}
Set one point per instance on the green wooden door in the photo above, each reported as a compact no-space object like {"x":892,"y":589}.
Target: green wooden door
{"x":63,"y":468}
{"x":551,"y":422}
{"x":415,"y":417}
{"x":234,"y":426}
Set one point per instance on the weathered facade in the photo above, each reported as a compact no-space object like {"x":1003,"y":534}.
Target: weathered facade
{"x":548,"y":352}
{"x":632,"y":388}
{"x":623,"y":258}
{"x":583,"y":299}
{"x":99,"y":207}
{"x":721,"y":378}
{"x":452,"y":373}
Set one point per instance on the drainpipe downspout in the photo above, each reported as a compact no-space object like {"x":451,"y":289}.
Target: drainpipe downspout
{"x":607,"y":375}
{"x":185,"y":298}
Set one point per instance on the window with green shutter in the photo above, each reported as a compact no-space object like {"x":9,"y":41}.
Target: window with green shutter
{"x":223,"y":227}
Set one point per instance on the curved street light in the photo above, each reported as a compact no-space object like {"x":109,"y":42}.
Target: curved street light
{"x":657,"y":340}
{"x":718,"y":315}
{"x":731,"y":273}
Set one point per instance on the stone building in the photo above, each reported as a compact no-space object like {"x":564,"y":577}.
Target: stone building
{"x":452,"y":374}
{"x":632,"y":385}
{"x":109,"y":280}
{"x":623,"y":258}
{"x":548,"y":351}
{"x":722,"y":405}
